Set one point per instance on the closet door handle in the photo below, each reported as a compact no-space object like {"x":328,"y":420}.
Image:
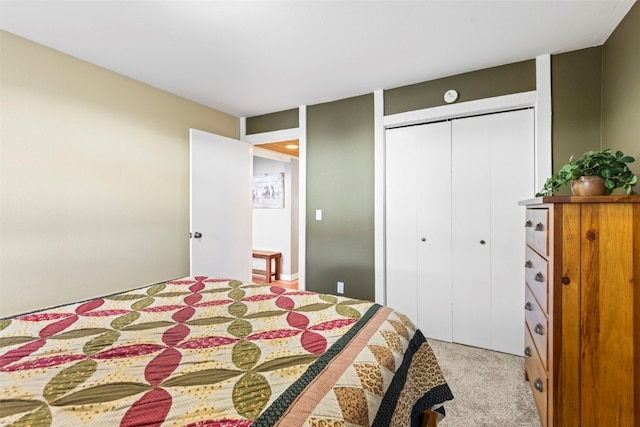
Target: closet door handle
{"x":482,"y":242}
{"x":424,"y":239}
{"x":528,"y":264}
{"x":197,"y":235}
{"x":528,"y":224}
{"x":527,"y":306}
{"x":539,"y":227}
{"x":527,"y":351}
{"x":539,"y":277}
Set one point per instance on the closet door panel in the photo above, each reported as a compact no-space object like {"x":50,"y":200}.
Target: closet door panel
{"x":512,"y":162}
{"x":471,"y":239}
{"x":401,"y":223}
{"x":433,"y":200}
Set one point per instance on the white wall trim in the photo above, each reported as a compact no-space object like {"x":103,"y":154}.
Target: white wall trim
{"x":543,"y":119}
{"x":243,"y":128}
{"x":289,"y":277}
{"x":379,"y":198}
{"x":302,"y":196}
{"x":480,"y":106}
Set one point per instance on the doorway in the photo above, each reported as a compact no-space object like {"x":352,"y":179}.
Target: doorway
{"x":276,"y":219}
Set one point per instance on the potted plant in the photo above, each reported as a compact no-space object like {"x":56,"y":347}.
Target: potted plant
{"x":610,"y":170}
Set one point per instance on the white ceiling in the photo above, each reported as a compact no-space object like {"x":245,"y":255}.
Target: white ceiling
{"x":254,"y":57}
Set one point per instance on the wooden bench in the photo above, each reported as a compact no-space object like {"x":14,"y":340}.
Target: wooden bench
{"x":268,"y":256}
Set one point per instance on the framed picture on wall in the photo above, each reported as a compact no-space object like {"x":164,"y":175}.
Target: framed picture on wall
{"x":268,"y":191}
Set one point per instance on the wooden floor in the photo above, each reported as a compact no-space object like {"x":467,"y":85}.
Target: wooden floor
{"x":282,"y":283}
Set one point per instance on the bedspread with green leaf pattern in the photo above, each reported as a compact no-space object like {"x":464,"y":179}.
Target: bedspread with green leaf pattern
{"x":213,"y":352}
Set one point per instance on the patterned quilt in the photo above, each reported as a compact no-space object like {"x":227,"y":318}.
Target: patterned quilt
{"x":221,"y":353}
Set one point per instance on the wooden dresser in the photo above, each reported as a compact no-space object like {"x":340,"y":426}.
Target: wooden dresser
{"x":582,"y":309}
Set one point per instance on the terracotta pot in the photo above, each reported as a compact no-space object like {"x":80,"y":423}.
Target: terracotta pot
{"x":588,"y":186}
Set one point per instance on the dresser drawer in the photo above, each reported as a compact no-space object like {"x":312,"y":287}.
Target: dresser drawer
{"x":537,"y":229}
{"x":537,"y":324}
{"x":537,"y":376}
{"x":536,"y":274}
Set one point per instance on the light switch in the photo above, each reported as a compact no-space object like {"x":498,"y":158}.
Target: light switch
{"x":318,"y":214}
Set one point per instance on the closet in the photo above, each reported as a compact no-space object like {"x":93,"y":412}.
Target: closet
{"x":453,"y":226}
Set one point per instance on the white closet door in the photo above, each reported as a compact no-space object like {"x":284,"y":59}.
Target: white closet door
{"x":471,"y":239}
{"x":492,"y":170}
{"x":433,"y":199}
{"x":512,"y":155}
{"x":400,"y":234}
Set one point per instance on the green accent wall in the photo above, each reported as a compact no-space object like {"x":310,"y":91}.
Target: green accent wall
{"x":486,"y":83}
{"x":340,"y":181}
{"x":576,"y":104}
{"x":273,"y":121}
{"x":621,"y":89}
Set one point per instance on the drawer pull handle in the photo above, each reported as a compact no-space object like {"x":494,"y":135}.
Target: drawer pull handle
{"x":539,"y":227}
{"x":537,"y":384}
{"x":539,"y":277}
{"x":527,"y":306}
{"x":527,"y":351}
{"x":528,"y":264}
{"x":528,"y":224}
{"x":538,"y":329}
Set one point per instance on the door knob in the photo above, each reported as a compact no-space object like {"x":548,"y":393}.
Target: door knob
{"x":482,"y":242}
{"x":424,"y":239}
{"x":537,"y":384}
{"x":538,"y":329}
{"x":197,"y":235}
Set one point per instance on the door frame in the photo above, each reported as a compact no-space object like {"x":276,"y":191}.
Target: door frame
{"x":299,"y":133}
{"x":539,"y":99}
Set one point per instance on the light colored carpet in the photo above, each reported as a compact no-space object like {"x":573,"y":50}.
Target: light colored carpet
{"x":488,"y":387}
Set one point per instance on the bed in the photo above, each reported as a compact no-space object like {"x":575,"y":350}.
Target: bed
{"x":203,"y":351}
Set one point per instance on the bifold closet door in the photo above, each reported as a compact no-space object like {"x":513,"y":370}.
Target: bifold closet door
{"x":454,"y":227}
{"x":492,"y":170}
{"x":418,"y":225}
{"x":401,"y":221}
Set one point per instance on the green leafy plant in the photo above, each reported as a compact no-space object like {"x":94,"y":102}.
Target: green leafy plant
{"x":612,"y":168}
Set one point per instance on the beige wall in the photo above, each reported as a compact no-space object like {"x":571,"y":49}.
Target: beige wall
{"x":94,"y":178}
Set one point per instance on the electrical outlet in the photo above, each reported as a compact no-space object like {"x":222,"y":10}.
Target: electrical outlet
{"x":341,"y":287}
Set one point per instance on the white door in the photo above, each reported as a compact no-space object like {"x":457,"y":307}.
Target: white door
{"x":493,"y":169}
{"x":512,"y":154}
{"x":470,"y":223}
{"x":418,"y":225}
{"x":401,"y":235}
{"x":433,"y":156}
{"x":221,"y":171}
